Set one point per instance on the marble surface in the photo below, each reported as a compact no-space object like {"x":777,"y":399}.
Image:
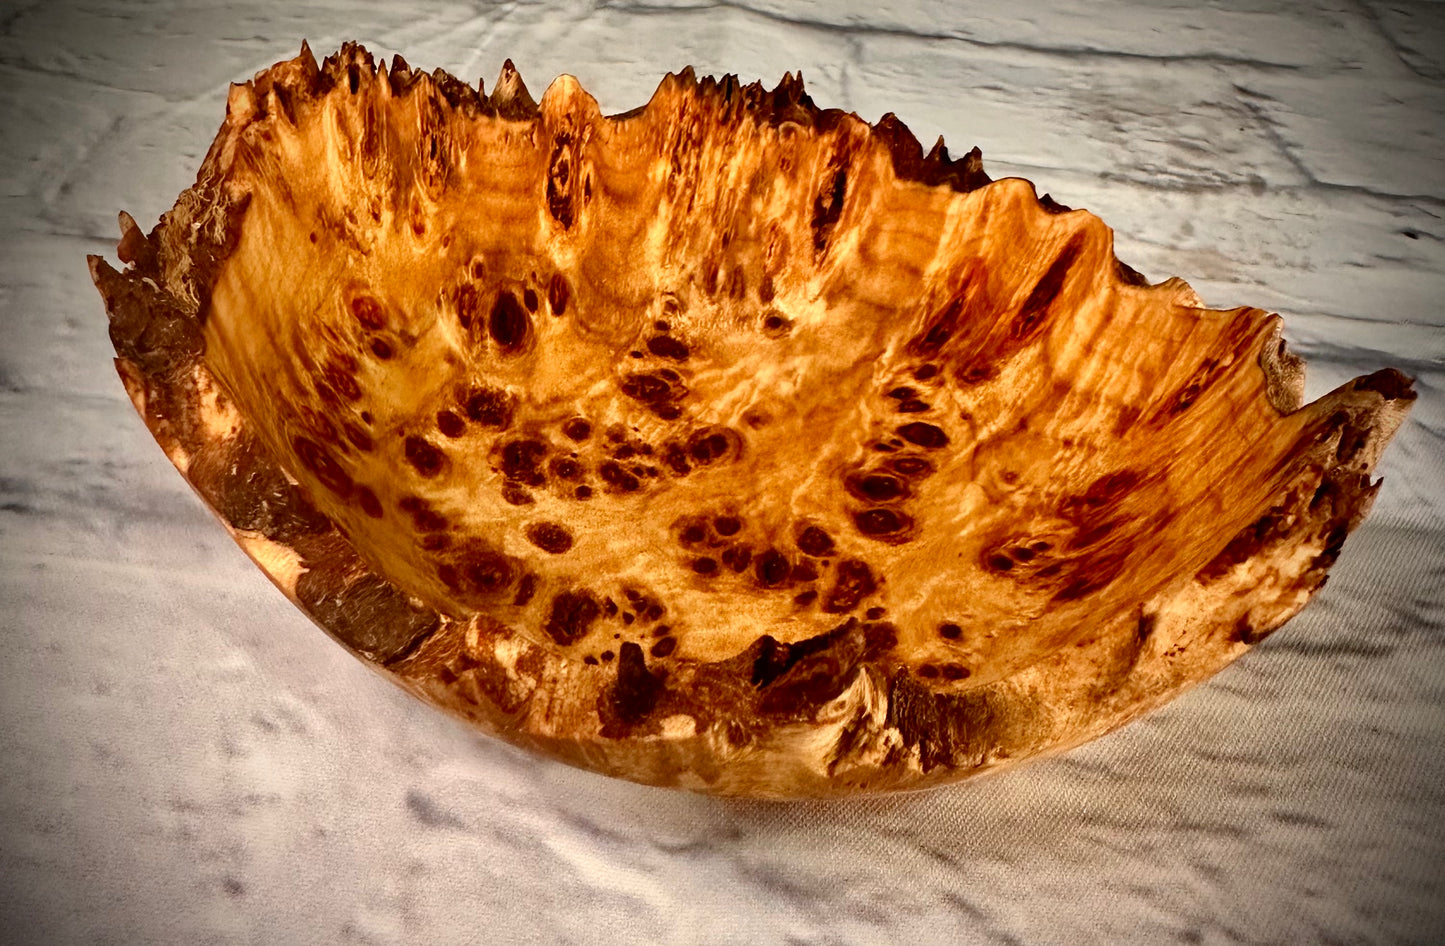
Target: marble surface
{"x":187,"y":760}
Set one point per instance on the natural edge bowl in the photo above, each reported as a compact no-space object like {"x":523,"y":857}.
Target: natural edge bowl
{"x":729,"y":444}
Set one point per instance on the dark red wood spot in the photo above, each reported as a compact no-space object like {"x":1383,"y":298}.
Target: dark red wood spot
{"x":929,"y":342}
{"x":487,"y":573}
{"x":359,"y":438}
{"x":368,"y":312}
{"x":737,"y":557}
{"x":910,"y":466}
{"x":665,"y":346}
{"x":853,"y":582}
{"x":876,"y":487}
{"x":368,"y":502}
{"x":676,"y":460}
{"x":771,"y":568}
{"x":766,"y":290}
{"x":522,"y":461}
{"x":558,"y":294}
{"x":423,"y":516}
{"x":323,"y":466}
{"x":450,"y":424}
{"x":1036,"y":306}
{"x":424,"y":456}
{"x":467,"y":305}
{"x":618,"y":478}
{"x":887,"y":524}
{"x":815,"y":542}
{"x":515,"y":494}
{"x":343,"y":382}
{"x":645,"y":387}
{"x":549,"y":537}
{"x":713,"y":444}
{"x":490,"y":407}
{"x":508,"y":324}
{"x":924,"y":435}
{"x":577,"y":429}
{"x":828,"y":207}
{"x":571,"y":616}
{"x":525,"y":590}
{"x":561,"y":196}
{"x":998,"y":562}
{"x":565,"y":468}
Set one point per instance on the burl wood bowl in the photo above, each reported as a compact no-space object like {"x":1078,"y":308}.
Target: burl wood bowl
{"x":731,"y":443}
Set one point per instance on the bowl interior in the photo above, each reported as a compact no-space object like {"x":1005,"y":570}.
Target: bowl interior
{"x":686,"y":375}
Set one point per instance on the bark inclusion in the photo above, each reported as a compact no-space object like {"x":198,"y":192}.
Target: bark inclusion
{"x":731,"y":443}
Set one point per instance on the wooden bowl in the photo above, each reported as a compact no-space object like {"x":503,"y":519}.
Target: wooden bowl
{"x":729,"y":444}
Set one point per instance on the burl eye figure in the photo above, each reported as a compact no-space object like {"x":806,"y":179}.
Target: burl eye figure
{"x":730,"y":444}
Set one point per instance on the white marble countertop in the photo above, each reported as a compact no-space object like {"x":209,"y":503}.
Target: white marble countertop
{"x":187,"y":760}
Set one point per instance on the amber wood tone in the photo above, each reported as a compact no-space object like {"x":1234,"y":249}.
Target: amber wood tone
{"x":729,"y":444}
